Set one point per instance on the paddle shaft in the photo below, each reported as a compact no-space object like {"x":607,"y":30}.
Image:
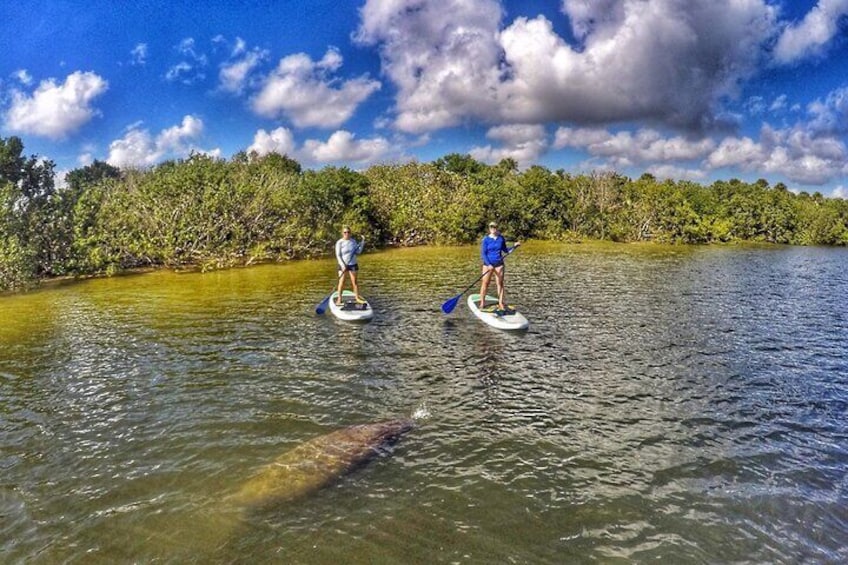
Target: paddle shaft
{"x":452,"y":302}
{"x":322,"y":306}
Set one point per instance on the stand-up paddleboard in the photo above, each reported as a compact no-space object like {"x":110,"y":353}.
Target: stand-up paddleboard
{"x":350,"y":310}
{"x":510,"y":319}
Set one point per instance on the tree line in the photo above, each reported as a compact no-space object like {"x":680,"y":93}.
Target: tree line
{"x":212,"y":213}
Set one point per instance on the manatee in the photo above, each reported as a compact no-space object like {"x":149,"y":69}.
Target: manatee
{"x":316,"y":463}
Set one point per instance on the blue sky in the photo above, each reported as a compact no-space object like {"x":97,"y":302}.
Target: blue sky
{"x":683,"y":89}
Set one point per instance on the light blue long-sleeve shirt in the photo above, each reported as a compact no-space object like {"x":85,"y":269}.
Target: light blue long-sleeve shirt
{"x":347,"y":250}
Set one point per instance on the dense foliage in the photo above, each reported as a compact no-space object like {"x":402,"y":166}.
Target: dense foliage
{"x":211,"y":213}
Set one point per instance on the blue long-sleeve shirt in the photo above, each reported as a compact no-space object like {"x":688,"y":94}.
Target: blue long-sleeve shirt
{"x":493,"y":249}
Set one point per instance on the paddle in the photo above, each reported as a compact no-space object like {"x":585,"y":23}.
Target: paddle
{"x":449,"y":305}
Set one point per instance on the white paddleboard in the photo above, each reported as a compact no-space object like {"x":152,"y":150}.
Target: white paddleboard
{"x":350,"y":310}
{"x":509,"y":320}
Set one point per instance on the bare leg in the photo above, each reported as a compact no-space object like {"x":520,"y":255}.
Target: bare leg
{"x":485,"y":286}
{"x":354,"y":284}
{"x":499,"y":281}
{"x":341,"y":288}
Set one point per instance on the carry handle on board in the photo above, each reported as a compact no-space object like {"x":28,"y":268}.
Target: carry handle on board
{"x":449,"y":305}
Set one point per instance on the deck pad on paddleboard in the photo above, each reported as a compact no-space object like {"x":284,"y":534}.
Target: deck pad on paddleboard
{"x":351,"y":310}
{"x":508,"y":319}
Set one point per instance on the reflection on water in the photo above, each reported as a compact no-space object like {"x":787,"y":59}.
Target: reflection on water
{"x":683,"y":404}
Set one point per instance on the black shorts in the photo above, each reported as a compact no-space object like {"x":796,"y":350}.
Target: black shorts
{"x":497,"y":264}
{"x":353,"y":268}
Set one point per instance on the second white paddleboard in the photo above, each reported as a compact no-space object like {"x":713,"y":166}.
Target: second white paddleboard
{"x":510,"y":319}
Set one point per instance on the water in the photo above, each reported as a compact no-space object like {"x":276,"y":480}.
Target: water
{"x":683,"y":404}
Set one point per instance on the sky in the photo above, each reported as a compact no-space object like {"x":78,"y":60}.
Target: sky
{"x":700,"y":90}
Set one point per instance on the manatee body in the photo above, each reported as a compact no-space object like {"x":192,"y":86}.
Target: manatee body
{"x":316,"y":463}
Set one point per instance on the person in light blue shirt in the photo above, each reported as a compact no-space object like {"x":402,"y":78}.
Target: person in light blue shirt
{"x":492,"y":251}
{"x":346,"y":251}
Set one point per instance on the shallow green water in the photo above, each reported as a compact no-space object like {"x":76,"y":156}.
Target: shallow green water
{"x":675,"y":403}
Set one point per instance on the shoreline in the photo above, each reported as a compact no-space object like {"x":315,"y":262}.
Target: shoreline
{"x":49,"y":283}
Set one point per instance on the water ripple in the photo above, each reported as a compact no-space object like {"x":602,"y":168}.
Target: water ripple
{"x":675,"y":404}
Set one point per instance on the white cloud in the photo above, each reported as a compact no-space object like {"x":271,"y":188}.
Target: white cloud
{"x":813,"y":34}
{"x":138,"y":148}
{"x":840,"y":192}
{"x":190,"y":69}
{"x":182,"y":72}
{"x":663,"y":60}
{"x":239,"y":47}
{"x":627,"y":148}
{"x":56,"y":110}
{"x":523,"y":142}
{"x":139,"y":54}
{"x":673,"y":172}
{"x":755,"y":105}
{"x":579,"y":137}
{"x":234,"y":74}
{"x":343,"y":146}
{"x":23,"y":76}
{"x":301,"y":90}
{"x":174,"y":137}
{"x":60,"y":179}
{"x":278,"y":141}
{"x":442,"y":56}
{"x":779,"y":103}
{"x":795,"y":153}
{"x":831,"y":114}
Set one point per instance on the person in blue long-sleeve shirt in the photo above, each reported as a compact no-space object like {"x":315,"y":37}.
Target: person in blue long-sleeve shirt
{"x":492,"y":251}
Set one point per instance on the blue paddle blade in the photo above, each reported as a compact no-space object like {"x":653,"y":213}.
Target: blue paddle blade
{"x":448,"y":306}
{"x":322,"y":307}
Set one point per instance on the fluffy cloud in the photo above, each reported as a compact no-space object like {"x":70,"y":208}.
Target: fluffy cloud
{"x":797,"y":153}
{"x":673,"y":172}
{"x":278,"y":141}
{"x":522,"y":142}
{"x":343,"y":146}
{"x":840,"y":192}
{"x":234,"y":73}
{"x":627,"y":148}
{"x":138,"y":148}
{"x":830,"y":116}
{"x":56,"y":110}
{"x":794,"y":152}
{"x":814,"y":32}
{"x":664,"y":60}
{"x":443,"y":57}
{"x":301,"y":90}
